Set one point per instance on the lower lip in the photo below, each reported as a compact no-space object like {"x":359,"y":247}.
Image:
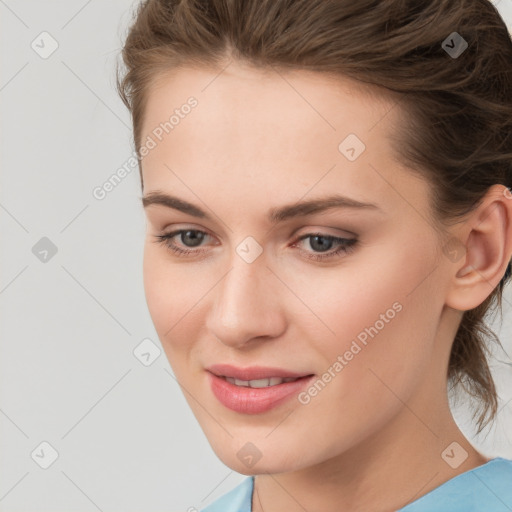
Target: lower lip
{"x":248,"y":400}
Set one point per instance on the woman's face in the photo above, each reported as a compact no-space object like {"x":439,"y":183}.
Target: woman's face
{"x":348,"y":298}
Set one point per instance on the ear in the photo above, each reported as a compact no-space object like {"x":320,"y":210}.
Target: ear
{"x":487,"y":237}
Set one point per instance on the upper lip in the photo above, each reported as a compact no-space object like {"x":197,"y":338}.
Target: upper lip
{"x":252,"y":372}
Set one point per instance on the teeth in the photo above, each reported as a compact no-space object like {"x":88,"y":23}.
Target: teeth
{"x":260,"y":383}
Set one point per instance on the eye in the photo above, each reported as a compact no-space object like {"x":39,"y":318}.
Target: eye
{"x":189,"y":237}
{"x":319,"y":242}
{"x":323,"y":242}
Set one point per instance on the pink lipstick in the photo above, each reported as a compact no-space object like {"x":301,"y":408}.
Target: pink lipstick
{"x":256,"y":389}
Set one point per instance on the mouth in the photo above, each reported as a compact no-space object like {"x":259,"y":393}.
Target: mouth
{"x":255,"y":390}
{"x":254,"y":373}
{"x":260,"y":383}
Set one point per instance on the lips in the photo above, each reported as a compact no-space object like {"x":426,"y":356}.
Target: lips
{"x":253,"y":372}
{"x":259,"y":383}
{"x":256,"y":389}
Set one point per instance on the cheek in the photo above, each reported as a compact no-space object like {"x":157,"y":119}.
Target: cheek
{"x":172,"y":296}
{"x":157,"y":282}
{"x":381,"y":350}
{"x":384,"y":318}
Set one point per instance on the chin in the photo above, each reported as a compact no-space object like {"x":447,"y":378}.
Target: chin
{"x":258,"y":457}
{"x":270,"y":464}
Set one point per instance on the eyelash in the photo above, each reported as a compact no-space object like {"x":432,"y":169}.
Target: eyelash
{"x":347,"y":245}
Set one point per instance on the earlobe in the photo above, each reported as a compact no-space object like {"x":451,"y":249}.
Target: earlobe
{"x":487,"y":236}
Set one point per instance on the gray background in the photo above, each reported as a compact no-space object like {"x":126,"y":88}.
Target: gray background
{"x":125,"y":437}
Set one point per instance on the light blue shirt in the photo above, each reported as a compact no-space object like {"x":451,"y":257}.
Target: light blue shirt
{"x":487,"y":488}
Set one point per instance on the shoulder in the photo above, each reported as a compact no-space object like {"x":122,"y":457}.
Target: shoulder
{"x":485,"y":488}
{"x":238,"y":499}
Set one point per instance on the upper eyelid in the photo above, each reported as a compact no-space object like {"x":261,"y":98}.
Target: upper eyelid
{"x":322,"y":230}
{"x":312,"y":231}
{"x":316,"y":216}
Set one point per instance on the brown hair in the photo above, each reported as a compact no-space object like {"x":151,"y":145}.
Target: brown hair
{"x":458,"y":131}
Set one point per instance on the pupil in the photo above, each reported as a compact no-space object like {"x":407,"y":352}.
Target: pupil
{"x":191,"y":236}
{"x":320,"y":246}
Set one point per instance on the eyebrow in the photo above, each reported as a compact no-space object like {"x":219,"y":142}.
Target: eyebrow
{"x":275,"y":215}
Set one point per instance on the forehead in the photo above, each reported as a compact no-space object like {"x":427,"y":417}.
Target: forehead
{"x":335,"y":103}
{"x":270,"y":128}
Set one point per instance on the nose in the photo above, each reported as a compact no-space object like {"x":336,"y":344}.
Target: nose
{"x":246,"y":304}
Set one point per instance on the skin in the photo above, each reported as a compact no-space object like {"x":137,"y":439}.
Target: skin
{"x":372,"y":438}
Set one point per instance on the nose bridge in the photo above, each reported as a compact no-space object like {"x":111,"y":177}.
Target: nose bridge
{"x":245,"y":304}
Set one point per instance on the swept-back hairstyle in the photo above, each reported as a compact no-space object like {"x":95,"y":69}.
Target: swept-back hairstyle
{"x":457,"y":109}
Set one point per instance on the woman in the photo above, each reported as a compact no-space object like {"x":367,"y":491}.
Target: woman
{"x":326,"y":186}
